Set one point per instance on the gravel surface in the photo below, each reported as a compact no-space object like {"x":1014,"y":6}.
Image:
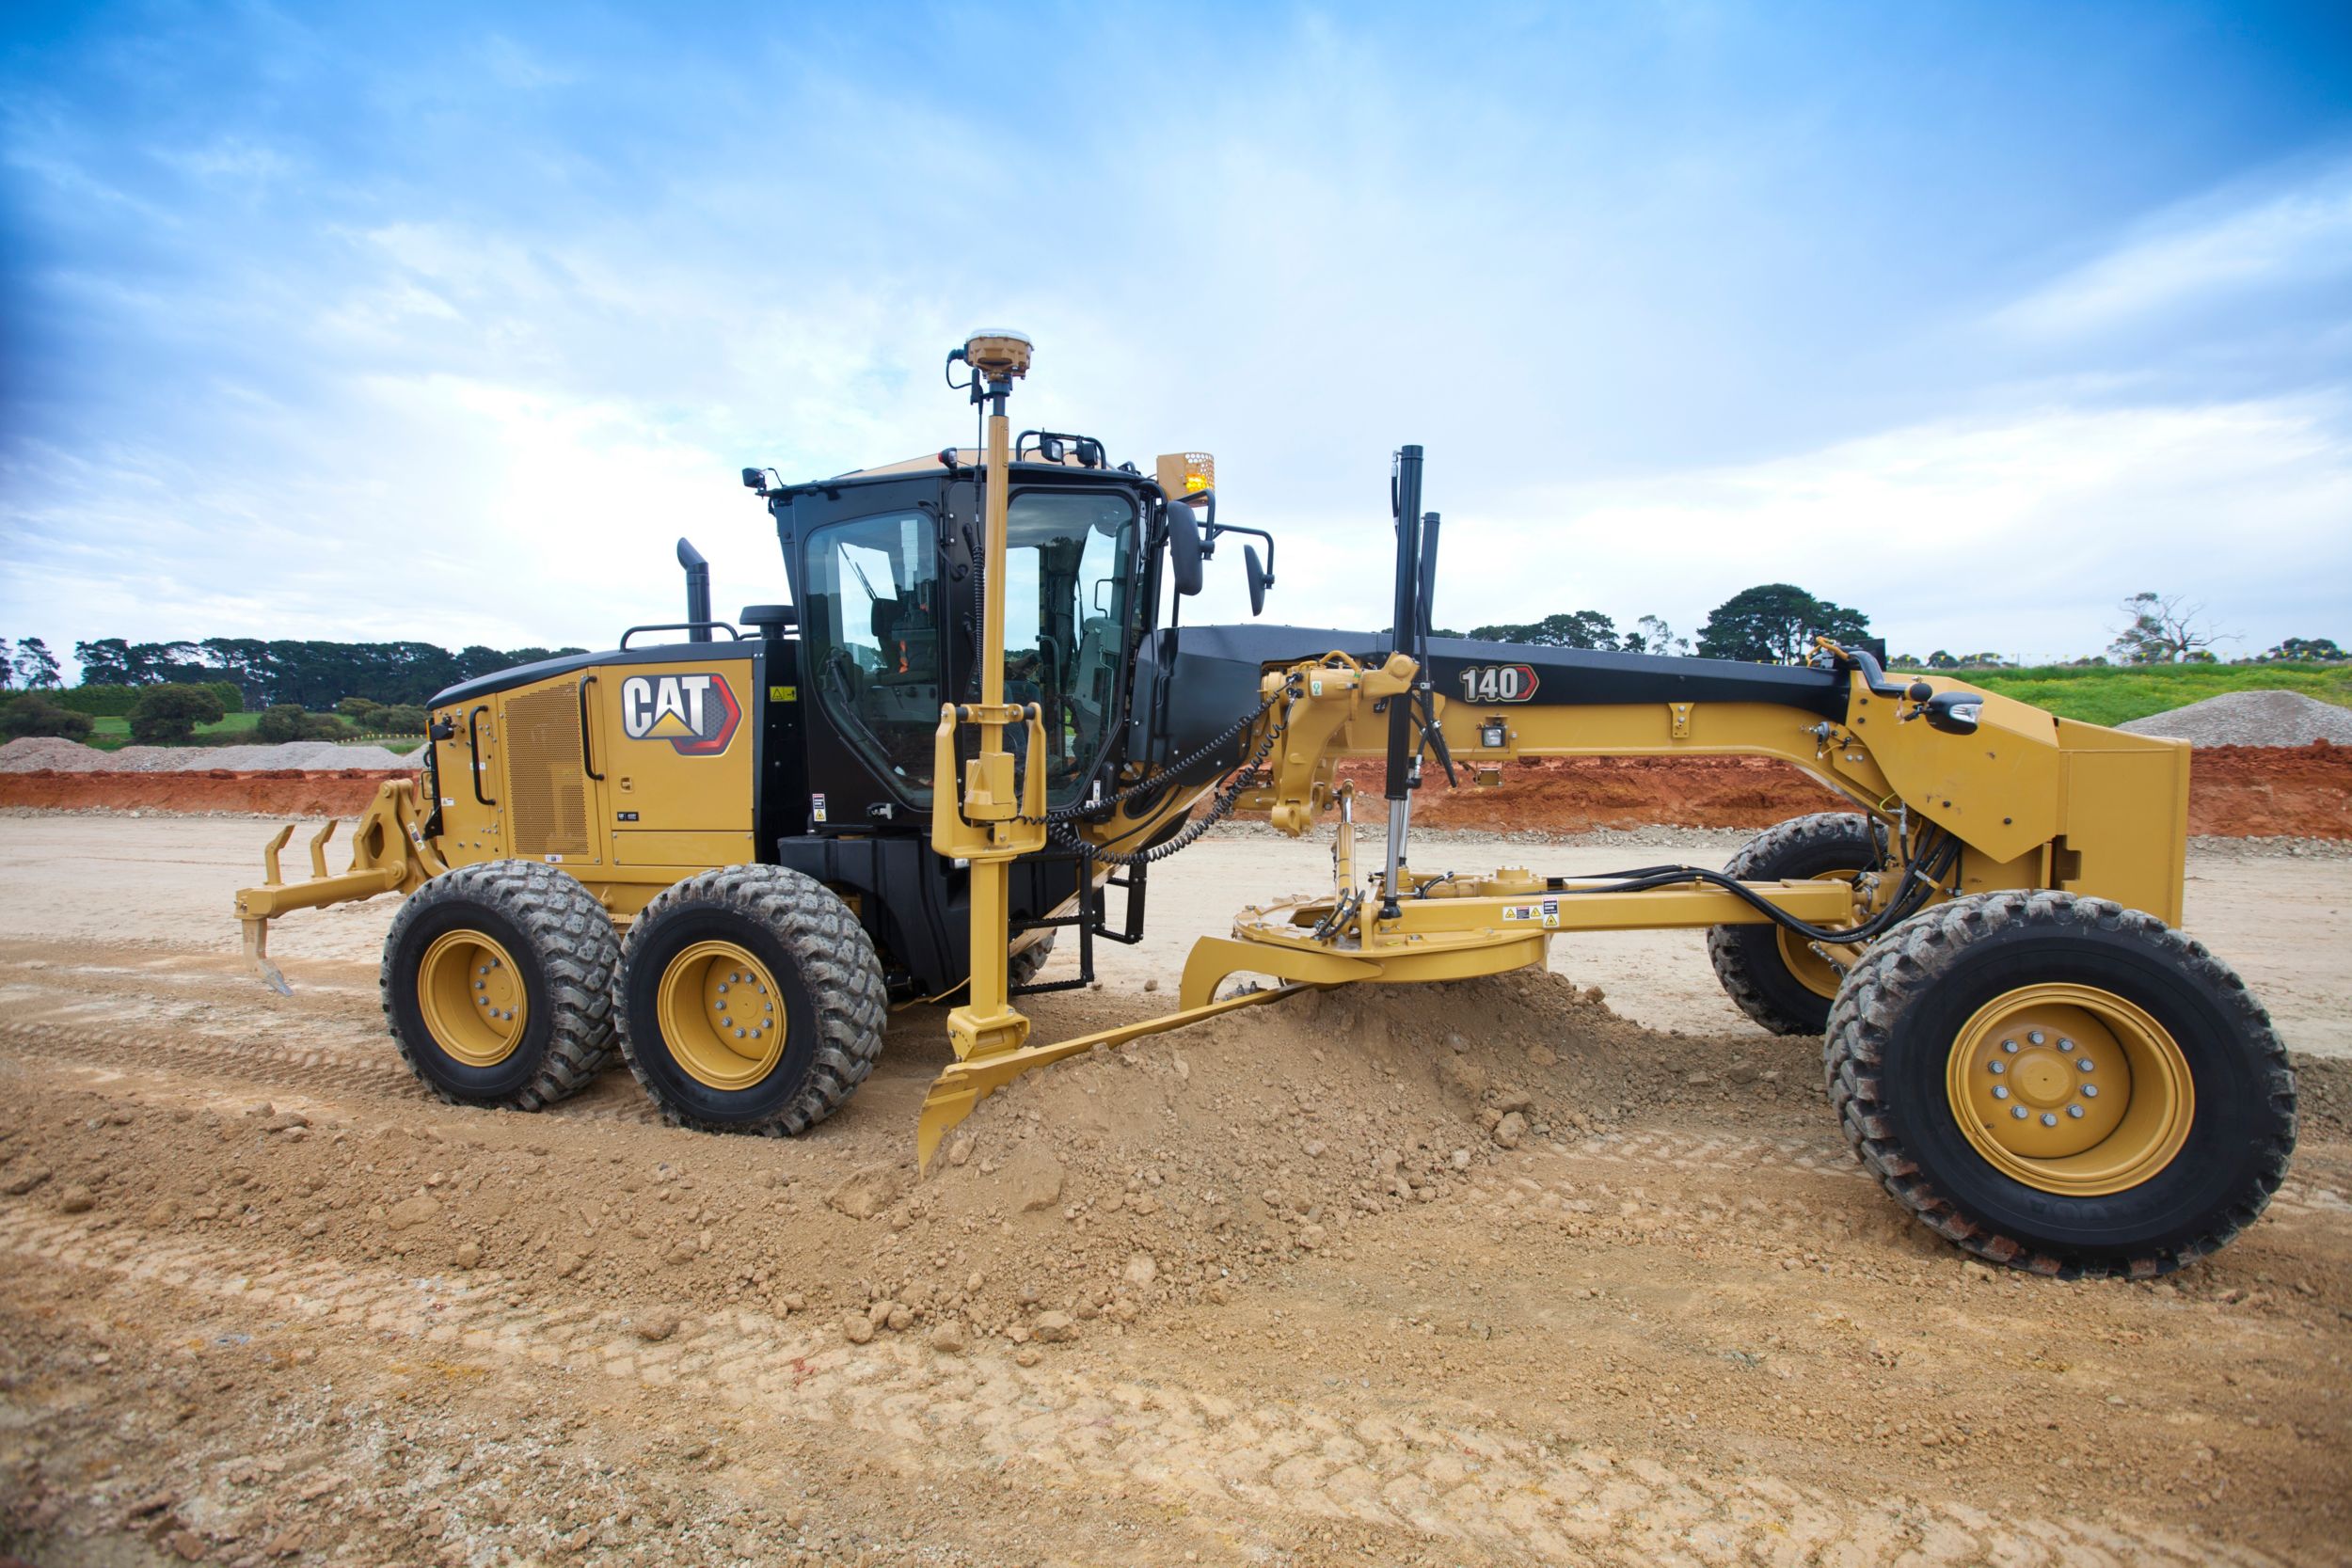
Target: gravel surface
{"x":2251,"y":719}
{"x":70,"y":756}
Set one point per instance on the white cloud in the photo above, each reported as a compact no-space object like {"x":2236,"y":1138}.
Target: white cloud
{"x":2016,"y":534}
{"x":2203,"y":250}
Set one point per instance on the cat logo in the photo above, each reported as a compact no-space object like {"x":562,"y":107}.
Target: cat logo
{"x":695,"y":714}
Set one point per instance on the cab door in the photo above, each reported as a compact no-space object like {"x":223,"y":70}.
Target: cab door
{"x":551,"y":810}
{"x":676,"y":736}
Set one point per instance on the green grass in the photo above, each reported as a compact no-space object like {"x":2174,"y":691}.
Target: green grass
{"x":110,"y":734}
{"x":2113,"y":694}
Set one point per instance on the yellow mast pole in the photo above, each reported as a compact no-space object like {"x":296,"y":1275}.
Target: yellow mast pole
{"x":994,"y":823}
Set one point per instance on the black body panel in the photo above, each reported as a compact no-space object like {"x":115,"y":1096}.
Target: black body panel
{"x":916,"y":905}
{"x":1212,"y":673}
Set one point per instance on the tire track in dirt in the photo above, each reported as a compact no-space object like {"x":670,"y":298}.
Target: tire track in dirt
{"x":1442,"y":1479}
{"x":311,"y":1069}
{"x":1683,"y":1150}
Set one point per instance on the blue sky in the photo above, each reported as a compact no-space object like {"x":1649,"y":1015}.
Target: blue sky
{"x":444,"y":322}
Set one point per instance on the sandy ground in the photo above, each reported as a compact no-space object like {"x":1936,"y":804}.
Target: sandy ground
{"x":2284,"y":920}
{"x":1268,"y":1292}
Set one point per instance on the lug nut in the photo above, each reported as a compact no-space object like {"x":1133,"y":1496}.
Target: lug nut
{"x":2037,"y":1036}
{"x":2084,"y":1063}
{"x":2001,"y":1067}
{"x":2090,"y":1091}
{"x":739,"y":1034}
{"x":2000,"y":1091}
{"x":2019,"y":1113}
{"x":2074,"y":1111}
{"x":2065,"y":1044}
{"x":2010,"y":1046}
{"x":2049,"y":1120}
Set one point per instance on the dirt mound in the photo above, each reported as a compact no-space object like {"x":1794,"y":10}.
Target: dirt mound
{"x":45,"y":753}
{"x":2251,"y":719}
{"x":1160,"y":1171}
{"x":289,"y":793}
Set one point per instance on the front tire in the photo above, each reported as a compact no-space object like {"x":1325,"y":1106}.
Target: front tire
{"x":1770,"y":973}
{"x":497,"y":983}
{"x":751,"y":1001}
{"x":2063,"y":1085}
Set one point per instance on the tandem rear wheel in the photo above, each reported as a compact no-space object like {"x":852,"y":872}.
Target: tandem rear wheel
{"x":2061,"y":1084}
{"x":497,"y":985}
{"x":1770,"y":973}
{"x":750,"y":1001}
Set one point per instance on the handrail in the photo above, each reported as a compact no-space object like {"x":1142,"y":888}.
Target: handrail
{"x":587,"y":756}
{"x":474,"y":744}
{"x":727,"y":627}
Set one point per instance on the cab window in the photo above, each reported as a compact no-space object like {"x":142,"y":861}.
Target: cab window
{"x":872,"y":625}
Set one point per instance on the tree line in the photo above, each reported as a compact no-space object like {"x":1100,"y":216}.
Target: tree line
{"x":310,"y":674}
{"x":1773,"y":623}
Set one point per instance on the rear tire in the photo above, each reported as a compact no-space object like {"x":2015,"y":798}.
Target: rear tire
{"x":1767,"y":970}
{"x":1025,"y":965}
{"x":2015,"y":992}
{"x":497,"y":983}
{"x":705,"y":969}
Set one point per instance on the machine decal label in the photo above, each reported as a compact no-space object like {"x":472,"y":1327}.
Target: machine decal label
{"x":817,"y":806}
{"x":695,"y":714}
{"x":1497,"y":683}
{"x":1546,"y":914}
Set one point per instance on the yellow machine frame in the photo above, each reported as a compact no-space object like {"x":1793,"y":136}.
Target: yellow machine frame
{"x":2031,"y":801}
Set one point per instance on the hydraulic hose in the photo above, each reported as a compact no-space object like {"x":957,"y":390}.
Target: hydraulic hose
{"x":1918,"y":881}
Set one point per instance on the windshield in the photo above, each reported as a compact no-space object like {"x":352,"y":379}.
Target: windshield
{"x":1068,"y":568}
{"x":874,"y":632}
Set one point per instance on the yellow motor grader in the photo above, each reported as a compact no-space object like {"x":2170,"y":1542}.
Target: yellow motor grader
{"x":722,"y":850}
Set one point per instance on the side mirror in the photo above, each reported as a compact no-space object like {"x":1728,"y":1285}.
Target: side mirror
{"x":1184,"y":547}
{"x":1257,"y":579}
{"x":1955,"y":712}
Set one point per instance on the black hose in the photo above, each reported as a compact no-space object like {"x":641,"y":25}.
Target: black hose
{"x":1918,"y":884}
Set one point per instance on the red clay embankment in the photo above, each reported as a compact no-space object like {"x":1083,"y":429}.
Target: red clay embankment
{"x":2234,"y":791}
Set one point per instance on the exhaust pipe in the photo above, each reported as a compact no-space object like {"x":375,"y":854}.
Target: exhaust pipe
{"x":697,"y":592}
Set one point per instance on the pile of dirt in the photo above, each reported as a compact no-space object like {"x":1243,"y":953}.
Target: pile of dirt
{"x":1164,"y":1170}
{"x":2251,"y":718}
{"x":45,"y":753}
{"x":1077,"y":1201}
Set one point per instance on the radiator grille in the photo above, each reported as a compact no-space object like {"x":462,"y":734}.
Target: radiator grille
{"x":543,"y":773}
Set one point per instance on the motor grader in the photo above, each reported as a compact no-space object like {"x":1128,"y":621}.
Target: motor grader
{"x":723,"y":850}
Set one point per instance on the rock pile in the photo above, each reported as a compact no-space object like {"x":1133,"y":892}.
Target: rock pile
{"x":48,"y":755}
{"x":2251,"y":718}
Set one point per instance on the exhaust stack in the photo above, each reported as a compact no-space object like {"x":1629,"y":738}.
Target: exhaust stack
{"x":697,"y":592}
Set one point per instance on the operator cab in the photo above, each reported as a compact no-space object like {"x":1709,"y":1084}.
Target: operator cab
{"x":885,"y":567}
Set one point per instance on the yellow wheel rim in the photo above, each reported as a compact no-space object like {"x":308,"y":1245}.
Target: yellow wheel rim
{"x":2071,"y":1089}
{"x":473,"y":998}
{"x":1813,"y":971}
{"x":722,"y":1014}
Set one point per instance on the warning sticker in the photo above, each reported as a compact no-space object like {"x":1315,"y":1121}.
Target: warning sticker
{"x":1545,"y":914}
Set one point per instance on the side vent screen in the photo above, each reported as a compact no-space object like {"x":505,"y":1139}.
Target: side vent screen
{"x":548,"y":805}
